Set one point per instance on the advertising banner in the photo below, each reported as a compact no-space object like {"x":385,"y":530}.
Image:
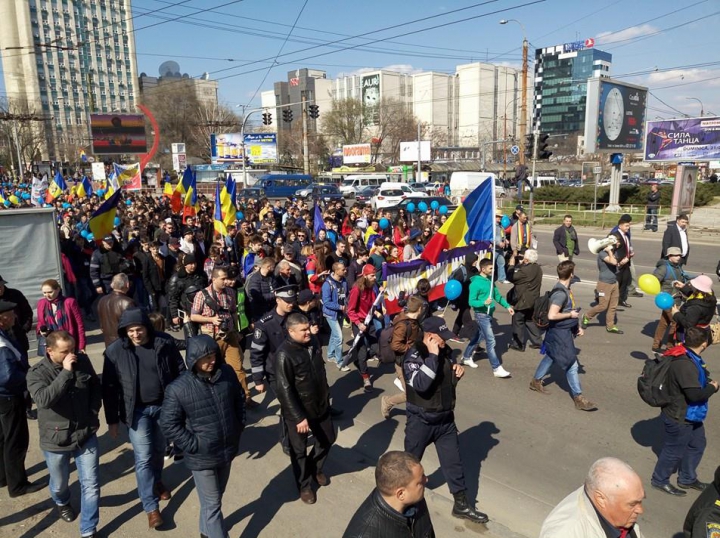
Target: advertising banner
{"x":261,"y":148}
{"x":357,"y":154}
{"x":114,"y":134}
{"x":614,"y":116}
{"x":409,"y":151}
{"x":128,"y":176}
{"x":98,"y":171}
{"x":371,"y":97}
{"x":683,"y":198}
{"x":228,"y":147}
{"x":687,"y":139}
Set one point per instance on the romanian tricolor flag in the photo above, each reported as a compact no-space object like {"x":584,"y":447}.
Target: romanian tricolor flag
{"x":183,"y":187}
{"x":84,"y":189}
{"x":56,"y":188}
{"x":102,"y":221}
{"x":228,"y":199}
{"x":473,"y":220}
{"x":168,"y":190}
{"x":218,"y":223}
{"x":190,"y":201}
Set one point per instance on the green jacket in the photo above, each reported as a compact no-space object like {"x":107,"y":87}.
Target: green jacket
{"x":480,"y":291}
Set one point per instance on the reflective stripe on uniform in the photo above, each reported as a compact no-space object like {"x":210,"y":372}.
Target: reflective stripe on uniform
{"x":257,"y":346}
{"x":257,"y":370}
{"x":427,"y":371}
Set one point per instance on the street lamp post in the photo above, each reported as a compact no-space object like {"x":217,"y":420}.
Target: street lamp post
{"x":523,"y":109}
{"x":702,"y":108}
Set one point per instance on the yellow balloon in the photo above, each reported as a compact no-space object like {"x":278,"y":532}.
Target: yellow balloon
{"x":649,"y":284}
{"x":14,"y":200}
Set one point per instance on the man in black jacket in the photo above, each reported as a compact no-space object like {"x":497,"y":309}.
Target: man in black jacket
{"x":527,"y":278}
{"x":703,"y":518}
{"x":688,"y":387}
{"x":136,"y":371}
{"x":203,"y":414}
{"x":431,"y":376}
{"x":565,"y":240}
{"x":259,"y":286}
{"x":303,"y":392}
{"x":23,"y":314}
{"x":676,"y":236}
{"x":68,"y":395}
{"x":181,"y":290}
{"x":651,"y":208}
{"x":396,"y":508}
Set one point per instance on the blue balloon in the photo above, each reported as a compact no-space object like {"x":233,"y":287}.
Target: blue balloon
{"x":664,"y":301}
{"x":128,"y":202}
{"x":117,"y":221}
{"x":26,"y":196}
{"x":434,"y":205}
{"x":66,"y":205}
{"x":90,"y":237}
{"x":453,"y":289}
{"x":443,"y":210}
{"x":84,"y":234}
{"x":100,"y":192}
{"x":6,"y":203}
{"x":422,"y":206}
{"x":505,"y":221}
{"x":384,"y":223}
{"x":239,"y":215}
{"x":411,"y":208}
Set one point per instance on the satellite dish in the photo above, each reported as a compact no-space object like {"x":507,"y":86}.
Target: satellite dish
{"x":168,"y":68}
{"x":206,"y":76}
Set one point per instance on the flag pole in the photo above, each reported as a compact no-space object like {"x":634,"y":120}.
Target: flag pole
{"x":492,"y":242}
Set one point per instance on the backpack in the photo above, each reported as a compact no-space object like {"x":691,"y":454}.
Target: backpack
{"x":651,"y":384}
{"x":385,"y":351}
{"x":541,"y":309}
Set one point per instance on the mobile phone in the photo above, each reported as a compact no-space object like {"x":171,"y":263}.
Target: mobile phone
{"x":182,"y":314}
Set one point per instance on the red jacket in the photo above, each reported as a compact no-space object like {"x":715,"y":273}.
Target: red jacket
{"x":73,"y":320}
{"x":360,"y":303}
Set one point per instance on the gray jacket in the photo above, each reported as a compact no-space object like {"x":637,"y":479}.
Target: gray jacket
{"x":68,"y":403}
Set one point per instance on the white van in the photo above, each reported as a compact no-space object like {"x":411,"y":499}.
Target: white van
{"x":543,"y":181}
{"x":352,"y":184}
{"x":463,"y":182}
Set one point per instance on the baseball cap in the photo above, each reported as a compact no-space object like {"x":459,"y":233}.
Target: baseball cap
{"x":438,"y":325}
{"x":6,"y":306}
{"x":287,"y":293}
{"x":288,"y":249}
{"x":168,"y":220}
{"x":109,"y":238}
{"x":188,"y":259}
{"x":305,"y":296}
{"x":188,"y":231}
{"x":520,"y":207}
{"x":674,"y":251}
{"x":368,"y":269}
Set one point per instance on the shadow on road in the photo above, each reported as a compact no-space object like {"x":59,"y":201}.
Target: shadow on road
{"x":649,"y":433}
{"x":372,"y":444}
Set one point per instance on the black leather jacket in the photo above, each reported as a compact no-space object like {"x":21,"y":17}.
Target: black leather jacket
{"x":301,"y":383}
{"x":177,"y":286}
{"x":376,"y":519}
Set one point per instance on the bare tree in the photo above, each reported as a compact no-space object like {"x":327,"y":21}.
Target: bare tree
{"x":396,"y":123}
{"x":213,"y":118}
{"x":23,"y":127}
{"x":346,"y":122}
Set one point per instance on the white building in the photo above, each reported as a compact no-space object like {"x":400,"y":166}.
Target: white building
{"x":65,"y":60}
{"x":434,"y":104}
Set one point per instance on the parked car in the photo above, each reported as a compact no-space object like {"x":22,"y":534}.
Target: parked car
{"x":366,"y":194}
{"x":352,"y":184}
{"x":325,"y":193}
{"x":441,"y":200}
{"x":392,"y":194}
{"x":256,"y":193}
{"x":419,"y":187}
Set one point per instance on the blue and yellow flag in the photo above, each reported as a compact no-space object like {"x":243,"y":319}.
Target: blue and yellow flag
{"x":228,"y":197}
{"x":218,"y":223}
{"x":56,"y":188}
{"x":84,"y":189}
{"x":102,"y":221}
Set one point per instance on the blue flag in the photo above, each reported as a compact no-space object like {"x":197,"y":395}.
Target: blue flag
{"x":318,"y":223}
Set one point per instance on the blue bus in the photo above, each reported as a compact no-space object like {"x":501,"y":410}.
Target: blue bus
{"x":283,"y":185}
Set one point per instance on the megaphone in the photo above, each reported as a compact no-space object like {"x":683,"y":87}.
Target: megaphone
{"x":596,"y":245}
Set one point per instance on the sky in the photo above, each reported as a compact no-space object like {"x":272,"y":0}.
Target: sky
{"x":249,"y":44}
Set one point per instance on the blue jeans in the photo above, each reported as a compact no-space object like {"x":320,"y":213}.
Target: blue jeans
{"x":210,"y":485}
{"x":571,"y":374}
{"x":87,"y":460}
{"x":149,"y":447}
{"x":484,"y":322}
{"x":334,"y":350}
{"x":500,"y":265}
{"x":683,"y":449}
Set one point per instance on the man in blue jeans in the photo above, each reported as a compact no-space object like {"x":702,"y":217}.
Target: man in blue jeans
{"x":482,"y":298}
{"x":559,"y":344}
{"x":689,"y":388}
{"x":137,"y":369}
{"x":68,"y":395}
{"x":334,"y":306}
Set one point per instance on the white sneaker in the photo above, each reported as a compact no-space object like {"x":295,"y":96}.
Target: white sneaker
{"x":469,"y":362}
{"x":501,"y":372}
{"x":342,"y":368}
{"x":506,"y":282}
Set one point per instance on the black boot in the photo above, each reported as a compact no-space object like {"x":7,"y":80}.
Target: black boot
{"x":464,"y":510}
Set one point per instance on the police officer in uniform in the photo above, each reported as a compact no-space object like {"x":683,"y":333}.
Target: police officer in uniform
{"x":430,"y":378}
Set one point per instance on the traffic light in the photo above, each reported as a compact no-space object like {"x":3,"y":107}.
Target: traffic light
{"x":529,"y":145}
{"x":542,"y":153}
{"x":314,"y":111}
{"x":287,"y":115}
{"x":267,"y":118}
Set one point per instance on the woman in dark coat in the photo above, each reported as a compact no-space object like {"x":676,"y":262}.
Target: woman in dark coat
{"x":699,"y":308}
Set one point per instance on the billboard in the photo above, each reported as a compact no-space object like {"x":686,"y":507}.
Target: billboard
{"x":228,"y":147}
{"x":371,"y":98}
{"x":409,"y":151}
{"x":683,"y":198}
{"x":614,"y":116}
{"x":357,"y":154}
{"x":113,"y":134}
{"x":261,"y":148}
{"x":687,"y":139}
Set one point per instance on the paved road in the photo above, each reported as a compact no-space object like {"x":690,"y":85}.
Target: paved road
{"x":523,"y":452}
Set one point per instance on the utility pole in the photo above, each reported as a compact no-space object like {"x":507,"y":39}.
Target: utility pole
{"x":532,"y":178}
{"x":523,"y":107}
{"x":419,"y":164}
{"x":306,"y":151}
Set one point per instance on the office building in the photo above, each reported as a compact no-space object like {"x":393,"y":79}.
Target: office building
{"x":63,"y":61}
{"x":204,"y":90}
{"x":561,"y":74}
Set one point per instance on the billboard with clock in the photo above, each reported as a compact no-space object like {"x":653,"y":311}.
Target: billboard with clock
{"x":614,"y":116}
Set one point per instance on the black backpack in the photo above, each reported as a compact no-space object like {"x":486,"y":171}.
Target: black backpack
{"x":541,"y":309}
{"x":651,"y":384}
{"x":385,"y":350}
